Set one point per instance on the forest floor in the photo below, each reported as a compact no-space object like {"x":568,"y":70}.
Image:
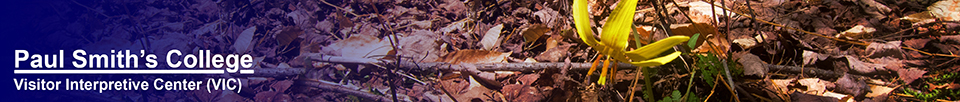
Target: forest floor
{"x":528,"y":50}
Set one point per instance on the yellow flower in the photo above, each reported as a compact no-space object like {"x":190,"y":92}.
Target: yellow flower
{"x":615,"y":35}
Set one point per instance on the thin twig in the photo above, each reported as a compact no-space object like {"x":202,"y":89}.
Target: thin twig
{"x":728,"y":85}
{"x":339,"y":8}
{"x":633,"y":87}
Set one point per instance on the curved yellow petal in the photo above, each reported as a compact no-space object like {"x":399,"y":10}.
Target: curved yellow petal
{"x":581,"y":20}
{"x":657,"y":61}
{"x":655,"y":48}
{"x":617,"y":29}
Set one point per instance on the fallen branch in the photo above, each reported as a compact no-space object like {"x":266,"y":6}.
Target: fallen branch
{"x":426,"y":66}
{"x":276,"y":72}
{"x":527,"y":67}
{"x":432,"y":66}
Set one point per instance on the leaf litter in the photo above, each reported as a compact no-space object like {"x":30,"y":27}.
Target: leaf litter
{"x":456,"y":32}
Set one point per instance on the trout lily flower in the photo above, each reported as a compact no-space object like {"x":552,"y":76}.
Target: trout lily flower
{"x":614,"y":38}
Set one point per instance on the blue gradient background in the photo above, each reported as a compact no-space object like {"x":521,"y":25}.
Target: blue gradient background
{"x":45,"y":26}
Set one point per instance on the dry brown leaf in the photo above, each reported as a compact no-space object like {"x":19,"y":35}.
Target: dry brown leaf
{"x":505,"y":74}
{"x":707,"y":33}
{"x":947,"y":10}
{"x":548,"y":16}
{"x":370,"y":29}
{"x":645,"y":36}
{"x":891,"y":48}
{"x":810,"y":57}
{"x":689,"y":29}
{"x":765,"y":37}
{"x":422,"y":45}
{"x":850,"y":85}
{"x":529,"y":60}
{"x":343,"y":21}
{"x":359,"y":46}
{"x":283,"y":65}
{"x":491,"y":39}
{"x":522,"y":93}
{"x":952,"y":38}
{"x":920,"y":18}
{"x":553,"y":41}
{"x":287,"y":36}
{"x":487,"y":79}
{"x":752,"y":65}
{"x":300,"y":17}
{"x":554,"y":54}
{"x":528,"y":79}
{"x":324,"y":26}
{"x":863,"y":67}
{"x":209,"y":27}
{"x":425,"y":24}
{"x":474,"y":56}
{"x":276,"y":92}
{"x":889,"y":63}
{"x":875,"y":8}
{"x":700,"y":12}
{"x":243,"y":41}
{"x":840,"y":97}
{"x":281,"y":86}
{"x":745,"y":42}
{"x":916,"y":43}
{"x":455,"y":26}
{"x":857,"y":32}
{"x":231,"y":96}
{"x":533,"y":32}
{"x":474,"y":90}
{"x":876,"y":90}
{"x":454,"y":6}
{"x":513,"y":90}
{"x":780,"y":85}
{"x":815,"y":86}
{"x":910,"y":74}
{"x":802,"y":97}
{"x":720,"y":44}
{"x":264,"y":96}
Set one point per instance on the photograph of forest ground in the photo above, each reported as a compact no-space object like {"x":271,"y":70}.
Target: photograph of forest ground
{"x":542,"y":50}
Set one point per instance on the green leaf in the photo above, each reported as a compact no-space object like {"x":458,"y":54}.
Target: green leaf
{"x":707,"y":65}
{"x":693,"y":98}
{"x":674,"y":97}
{"x":693,"y":41}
